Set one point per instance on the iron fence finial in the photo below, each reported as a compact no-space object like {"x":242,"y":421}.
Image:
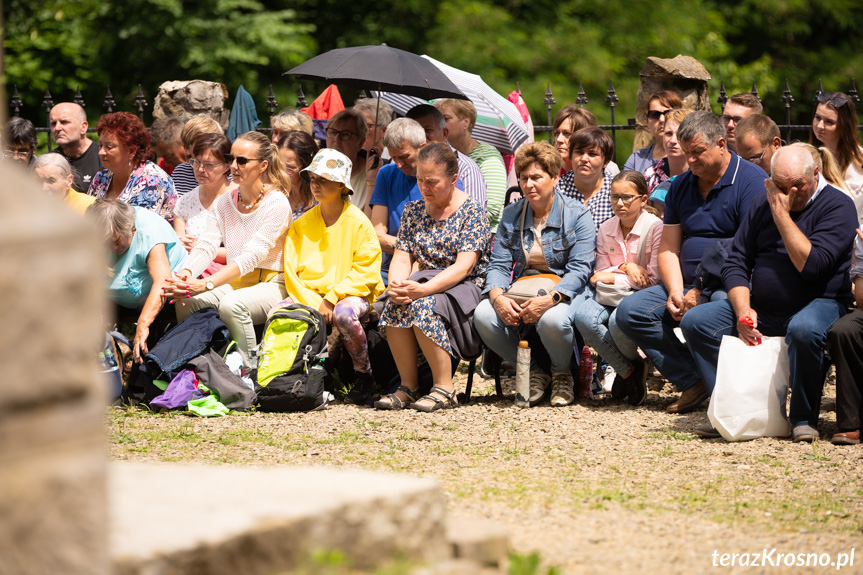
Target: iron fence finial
{"x":109,"y":102}
{"x":852,"y":93}
{"x":15,"y":103}
{"x":581,"y":97}
{"x":79,"y":99}
{"x":819,"y":91}
{"x":755,"y":91}
{"x":723,"y":98}
{"x":140,"y":102}
{"x":271,"y":101}
{"x":301,"y":98}
{"x":47,"y":101}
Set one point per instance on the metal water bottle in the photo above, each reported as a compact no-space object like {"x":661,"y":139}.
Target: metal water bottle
{"x":522,"y":375}
{"x":585,"y":369}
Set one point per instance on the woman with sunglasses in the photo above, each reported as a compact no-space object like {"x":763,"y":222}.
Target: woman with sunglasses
{"x":622,"y":260}
{"x":834,"y":126}
{"x":658,"y":105}
{"x":251,"y":221}
{"x":297,"y":150}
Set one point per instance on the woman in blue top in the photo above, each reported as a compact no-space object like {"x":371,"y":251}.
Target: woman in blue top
{"x":546,"y":233}
{"x":147,"y":252}
{"x":658,"y":105}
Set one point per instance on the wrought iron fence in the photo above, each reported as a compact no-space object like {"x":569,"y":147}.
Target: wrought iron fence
{"x":611,"y":99}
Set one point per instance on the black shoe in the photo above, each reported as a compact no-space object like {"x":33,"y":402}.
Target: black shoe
{"x":620,"y":388}
{"x":637,"y":383}
{"x":362,"y":390}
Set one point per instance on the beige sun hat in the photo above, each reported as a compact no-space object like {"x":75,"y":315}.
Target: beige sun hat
{"x":332,"y":165}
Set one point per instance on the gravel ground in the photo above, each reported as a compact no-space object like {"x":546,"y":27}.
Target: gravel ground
{"x":597,"y":487}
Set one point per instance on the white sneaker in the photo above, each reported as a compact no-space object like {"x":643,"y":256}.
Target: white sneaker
{"x":539,"y":382}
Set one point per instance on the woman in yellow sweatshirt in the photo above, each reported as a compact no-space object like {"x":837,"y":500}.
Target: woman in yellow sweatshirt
{"x":333,"y":261}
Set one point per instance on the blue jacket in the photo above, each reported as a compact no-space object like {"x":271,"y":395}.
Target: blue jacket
{"x":568,"y":242}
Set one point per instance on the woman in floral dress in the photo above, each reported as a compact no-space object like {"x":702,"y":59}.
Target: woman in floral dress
{"x":445,"y":231}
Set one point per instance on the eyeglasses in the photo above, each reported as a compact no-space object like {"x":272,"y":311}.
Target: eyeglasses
{"x":207,"y":166}
{"x":291,"y":169}
{"x":343,"y":135}
{"x":835,"y":101}
{"x":756,"y":159}
{"x":656,"y":114}
{"x":17,"y":153}
{"x":736,"y":119}
{"x":241,"y":161}
{"x":627,"y":199}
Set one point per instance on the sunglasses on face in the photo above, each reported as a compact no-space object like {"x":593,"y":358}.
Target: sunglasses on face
{"x":343,"y":135}
{"x":656,"y":114}
{"x":241,"y":161}
{"x":757,"y":158}
{"x":835,"y":101}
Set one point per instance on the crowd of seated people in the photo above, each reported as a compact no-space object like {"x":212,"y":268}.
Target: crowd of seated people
{"x":268,"y":221}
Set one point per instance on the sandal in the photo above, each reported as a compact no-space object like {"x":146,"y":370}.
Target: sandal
{"x":439,"y":398}
{"x":392,"y":402}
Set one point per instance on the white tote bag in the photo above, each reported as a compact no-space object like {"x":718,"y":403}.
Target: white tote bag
{"x":751,"y":386}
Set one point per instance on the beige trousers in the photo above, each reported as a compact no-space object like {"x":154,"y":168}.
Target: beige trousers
{"x":240,"y":310}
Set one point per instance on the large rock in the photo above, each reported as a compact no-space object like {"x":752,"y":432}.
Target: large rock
{"x":184,"y":99}
{"x":228,"y":520}
{"x":682,"y":74}
{"x":52,"y":398}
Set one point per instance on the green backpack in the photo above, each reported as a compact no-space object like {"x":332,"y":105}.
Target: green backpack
{"x":293,"y":348}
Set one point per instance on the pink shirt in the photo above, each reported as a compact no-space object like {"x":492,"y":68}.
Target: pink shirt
{"x":612,"y":249}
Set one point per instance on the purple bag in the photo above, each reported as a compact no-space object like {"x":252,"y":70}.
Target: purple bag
{"x":181,"y":389}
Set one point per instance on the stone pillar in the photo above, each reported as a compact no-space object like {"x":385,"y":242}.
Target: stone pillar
{"x":52,"y":397}
{"x":184,"y":99}
{"x":683,"y":74}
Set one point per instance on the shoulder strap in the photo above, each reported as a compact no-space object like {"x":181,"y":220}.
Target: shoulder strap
{"x":523,"y":247}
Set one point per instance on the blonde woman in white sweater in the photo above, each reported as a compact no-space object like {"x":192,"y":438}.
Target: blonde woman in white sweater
{"x":250,"y":221}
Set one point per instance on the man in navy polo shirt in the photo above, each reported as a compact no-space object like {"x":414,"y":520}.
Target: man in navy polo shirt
{"x":786,"y":275}
{"x":704,"y":205}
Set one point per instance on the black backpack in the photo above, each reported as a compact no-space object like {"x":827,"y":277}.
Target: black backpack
{"x":290,"y":375}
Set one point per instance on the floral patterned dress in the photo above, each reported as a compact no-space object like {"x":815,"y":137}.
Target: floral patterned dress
{"x":435,"y":244}
{"x":148,"y":187}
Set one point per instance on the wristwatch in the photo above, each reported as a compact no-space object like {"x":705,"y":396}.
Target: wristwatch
{"x":556,"y":297}
{"x":210,"y":285}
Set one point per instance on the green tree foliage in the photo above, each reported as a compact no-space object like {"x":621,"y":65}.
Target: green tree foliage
{"x":63,"y":43}
{"x":66,"y":43}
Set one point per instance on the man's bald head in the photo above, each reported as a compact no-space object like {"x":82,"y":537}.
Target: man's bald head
{"x":792,"y":161}
{"x":794,"y":172}
{"x":68,"y":122}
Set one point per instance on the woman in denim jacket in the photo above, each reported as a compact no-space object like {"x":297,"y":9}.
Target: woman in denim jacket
{"x":564,"y":247}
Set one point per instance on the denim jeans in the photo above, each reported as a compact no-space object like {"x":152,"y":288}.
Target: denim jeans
{"x":645,"y":319}
{"x":805,"y":333}
{"x":598,"y":325}
{"x":554,"y":329}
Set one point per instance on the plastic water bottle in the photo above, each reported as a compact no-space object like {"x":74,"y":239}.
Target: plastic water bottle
{"x":585,"y":369}
{"x":111,"y":367}
{"x":522,"y":375}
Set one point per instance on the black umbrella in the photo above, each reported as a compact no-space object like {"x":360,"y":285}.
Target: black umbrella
{"x":379,"y":68}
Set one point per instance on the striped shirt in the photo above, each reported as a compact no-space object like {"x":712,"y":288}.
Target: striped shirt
{"x":599,"y":203}
{"x":184,"y":179}
{"x":252,"y":240}
{"x":472,"y":178}
{"x":490,"y":163}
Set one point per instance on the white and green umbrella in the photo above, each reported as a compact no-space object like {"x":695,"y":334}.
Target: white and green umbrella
{"x":498,"y":121}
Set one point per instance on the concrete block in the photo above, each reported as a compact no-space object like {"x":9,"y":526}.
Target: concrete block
{"x":479,"y":540}
{"x":52,"y":398}
{"x":187,"y":520}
